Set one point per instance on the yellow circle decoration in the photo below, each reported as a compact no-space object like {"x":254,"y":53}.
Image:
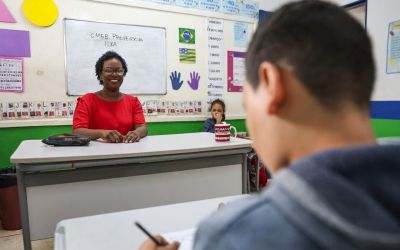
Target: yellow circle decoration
{"x":43,"y":13}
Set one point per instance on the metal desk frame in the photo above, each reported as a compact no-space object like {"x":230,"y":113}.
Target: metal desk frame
{"x":38,"y":174}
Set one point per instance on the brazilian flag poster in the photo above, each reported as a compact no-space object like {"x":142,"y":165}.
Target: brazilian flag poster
{"x":187,"y":36}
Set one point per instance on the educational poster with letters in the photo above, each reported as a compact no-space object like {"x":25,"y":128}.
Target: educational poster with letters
{"x":393,"y":49}
{"x":215,"y":84}
{"x":168,"y":2}
{"x":230,"y":6}
{"x":187,"y":3}
{"x":142,"y":47}
{"x":236,"y":71}
{"x":210,"y":5}
{"x":11,"y":74}
{"x":249,"y":8}
{"x":246,"y":8}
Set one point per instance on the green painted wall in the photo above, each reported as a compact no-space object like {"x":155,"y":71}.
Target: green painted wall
{"x":386,"y":128}
{"x":10,"y":138}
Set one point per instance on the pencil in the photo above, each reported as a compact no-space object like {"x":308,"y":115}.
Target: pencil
{"x":147,"y":233}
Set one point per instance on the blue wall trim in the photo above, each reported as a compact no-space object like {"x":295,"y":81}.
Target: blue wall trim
{"x":262,"y":14}
{"x":385,"y":110}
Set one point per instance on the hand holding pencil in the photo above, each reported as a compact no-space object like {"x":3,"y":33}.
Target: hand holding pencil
{"x":156,"y":242}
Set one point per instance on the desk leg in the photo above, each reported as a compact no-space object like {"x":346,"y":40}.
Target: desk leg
{"x":244,"y":174}
{"x":24,"y":210}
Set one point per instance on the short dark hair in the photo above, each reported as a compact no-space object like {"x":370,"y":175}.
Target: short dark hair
{"x":107,"y":56}
{"x":328,"y":51}
{"x":220,"y":102}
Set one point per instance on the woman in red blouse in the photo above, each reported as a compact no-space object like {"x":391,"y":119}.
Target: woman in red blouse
{"x":109,"y":114}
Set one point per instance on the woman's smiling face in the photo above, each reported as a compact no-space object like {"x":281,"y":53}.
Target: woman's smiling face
{"x":112,"y":74}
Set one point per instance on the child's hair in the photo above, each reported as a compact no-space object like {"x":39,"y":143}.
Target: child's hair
{"x":220,"y":102}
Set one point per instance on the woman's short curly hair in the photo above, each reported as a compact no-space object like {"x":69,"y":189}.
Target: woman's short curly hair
{"x":107,"y":56}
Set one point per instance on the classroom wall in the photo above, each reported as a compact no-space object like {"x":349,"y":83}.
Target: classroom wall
{"x":385,"y":108}
{"x":45,"y":69}
{"x":12,"y":136}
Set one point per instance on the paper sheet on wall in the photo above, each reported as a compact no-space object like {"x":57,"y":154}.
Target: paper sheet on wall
{"x":187,"y":3}
{"x":230,"y":6}
{"x":5,"y":14}
{"x":210,"y":5}
{"x":14,"y":43}
{"x":11,"y":74}
{"x":240,"y":34}
{"x":185,"y":237}
{"x":249,"y":8}
{"x":393,"y":49}
{"x":215,"y":84}
{"x":236,"y":71}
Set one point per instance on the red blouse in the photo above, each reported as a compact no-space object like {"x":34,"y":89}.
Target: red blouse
{"x":94,"y":113}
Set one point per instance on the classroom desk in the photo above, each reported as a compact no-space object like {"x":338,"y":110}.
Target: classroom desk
{"x":117,"y":231}
{"x":57,"y":183}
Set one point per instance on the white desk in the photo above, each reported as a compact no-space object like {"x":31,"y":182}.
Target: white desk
{"x":117,"y":231}
{"x":394,"y":140}
{"x":57,"y":183}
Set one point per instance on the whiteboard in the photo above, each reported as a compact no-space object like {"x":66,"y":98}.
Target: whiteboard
{"x":142,"y":47}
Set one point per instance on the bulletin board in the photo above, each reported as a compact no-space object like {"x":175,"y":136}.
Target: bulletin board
{"x":142,"y":47}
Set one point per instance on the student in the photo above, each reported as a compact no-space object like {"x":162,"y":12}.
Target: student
{"x":109,"y":114}
{"x":218,"y":115}
{"x":310,"y":75}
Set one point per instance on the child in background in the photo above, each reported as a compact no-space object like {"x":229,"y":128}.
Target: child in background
{"x":218,"y":115}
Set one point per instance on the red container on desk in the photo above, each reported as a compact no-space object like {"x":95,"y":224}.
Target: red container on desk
{"x":223,"y":132}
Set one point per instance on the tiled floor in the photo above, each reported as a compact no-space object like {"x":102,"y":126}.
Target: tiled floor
{"x":12,"y":240}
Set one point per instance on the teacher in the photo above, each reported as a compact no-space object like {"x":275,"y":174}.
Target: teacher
{"x":109,"y":114}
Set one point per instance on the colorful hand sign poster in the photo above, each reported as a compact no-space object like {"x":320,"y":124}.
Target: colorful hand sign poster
{"x":236,"y":71}
{"x":187,"y":36}
{"x":194,"y":80}
{"x":176,"y":81}
{"x":393,"y":49}
{"x":187,"y":56}
{"x":11,"y":74}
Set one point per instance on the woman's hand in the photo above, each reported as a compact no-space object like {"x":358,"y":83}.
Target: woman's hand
{"x":131,"y":136}
{"x":150,"y":245}
{"x":111,"y":136}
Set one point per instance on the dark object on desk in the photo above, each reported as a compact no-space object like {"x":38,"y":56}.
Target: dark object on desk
{"x":67,"y":140}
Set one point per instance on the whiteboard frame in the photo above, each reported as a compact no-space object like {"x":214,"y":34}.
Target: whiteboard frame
{"x":105,"y":22}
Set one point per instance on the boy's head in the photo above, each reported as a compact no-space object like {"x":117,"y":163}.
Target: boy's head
{"x":307,"y":60}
